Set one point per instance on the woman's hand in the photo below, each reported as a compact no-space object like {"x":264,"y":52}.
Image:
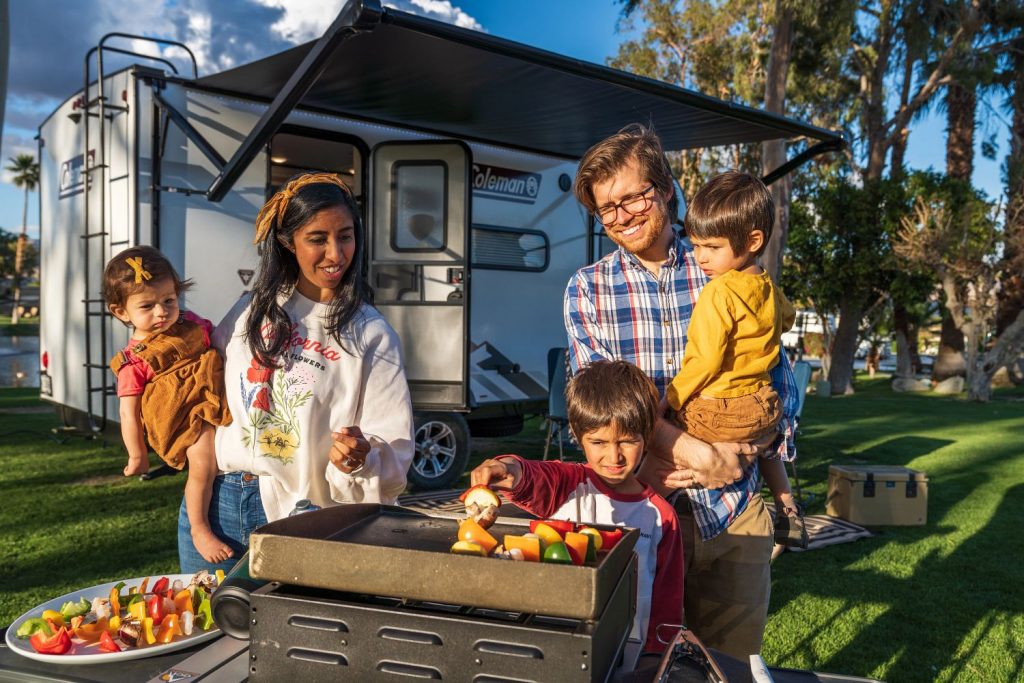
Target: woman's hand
{"x":349,"y":450}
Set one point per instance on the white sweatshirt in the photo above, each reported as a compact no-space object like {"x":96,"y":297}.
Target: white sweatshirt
{"x":282,"y":420}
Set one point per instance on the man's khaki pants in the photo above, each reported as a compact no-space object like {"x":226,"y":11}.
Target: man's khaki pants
{"x":728,"y":579}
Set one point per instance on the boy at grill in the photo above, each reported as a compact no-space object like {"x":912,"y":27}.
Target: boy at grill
{"x":612,"y":410}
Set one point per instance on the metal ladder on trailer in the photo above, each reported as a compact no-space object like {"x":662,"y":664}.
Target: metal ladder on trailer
{"x":103,"y":236}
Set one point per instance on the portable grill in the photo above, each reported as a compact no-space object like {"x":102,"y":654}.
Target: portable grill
{"x":312,"y":634}
{"x":370,"y":592}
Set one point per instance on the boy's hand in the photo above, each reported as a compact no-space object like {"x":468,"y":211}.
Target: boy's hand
{"x":496,"y":473}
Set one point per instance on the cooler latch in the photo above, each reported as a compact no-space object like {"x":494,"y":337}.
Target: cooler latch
{"x":911,"y":486}
{"x":869,"y":485}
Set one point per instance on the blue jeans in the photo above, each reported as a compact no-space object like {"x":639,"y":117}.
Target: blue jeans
{"x":236,"y":510}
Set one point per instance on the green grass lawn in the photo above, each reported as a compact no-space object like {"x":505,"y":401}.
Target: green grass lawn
{"x":26,"y":327}
{"x":942,"y":602}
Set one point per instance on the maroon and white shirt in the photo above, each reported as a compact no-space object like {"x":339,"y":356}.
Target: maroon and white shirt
{"x":573,"y":491}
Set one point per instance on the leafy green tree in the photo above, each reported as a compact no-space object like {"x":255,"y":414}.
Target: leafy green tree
{"x":26,"y":176}
{"x":953,"y":230}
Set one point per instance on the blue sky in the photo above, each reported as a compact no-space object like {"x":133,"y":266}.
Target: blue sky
{"x":49,"y":39}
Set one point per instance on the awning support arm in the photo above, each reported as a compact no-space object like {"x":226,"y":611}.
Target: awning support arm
{"x":802,"y":158}
{"x":190,"y":132}
{"x":355,"y":17}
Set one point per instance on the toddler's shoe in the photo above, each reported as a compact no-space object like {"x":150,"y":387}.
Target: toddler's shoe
{"x":790,"y":530}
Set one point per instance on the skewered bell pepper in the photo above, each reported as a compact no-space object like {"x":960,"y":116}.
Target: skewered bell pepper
{"x":35,"y":625}
{"x":161,"y":585}
{"x":155,"y":609}
{"x":92,"y":631}
{"x":168,"y":629}
{"x":53,"y":616}
{"x":557,"y":553}
{"x":204,"y":616}
{"x":107,"y":643}
{"x":147,"y":631}
{"x":57,"y":644}
{"x":183,"y":601}
{"x":472,"y":531}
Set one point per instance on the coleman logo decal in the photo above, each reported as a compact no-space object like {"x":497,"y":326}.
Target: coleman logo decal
{"x":172,"y":675}
{"x":506,"y":184}
{"x":72,"y":176}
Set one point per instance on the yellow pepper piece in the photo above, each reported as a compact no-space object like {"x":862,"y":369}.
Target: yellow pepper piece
{"x":114,"y":624}
{"x":55,"y":616}
{"x":147,"y":630}
{"x":220,"y":576}
{"x":138,"y":609}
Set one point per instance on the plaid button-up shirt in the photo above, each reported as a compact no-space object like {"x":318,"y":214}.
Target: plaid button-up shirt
{"x":617,"y":309}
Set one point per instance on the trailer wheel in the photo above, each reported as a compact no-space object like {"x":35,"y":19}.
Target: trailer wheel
{"x":442,"y":450}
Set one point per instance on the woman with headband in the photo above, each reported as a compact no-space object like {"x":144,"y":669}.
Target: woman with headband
{"x":313,"y":374}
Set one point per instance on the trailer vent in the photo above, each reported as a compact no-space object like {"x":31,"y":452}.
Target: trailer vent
{"x":510,"y":248}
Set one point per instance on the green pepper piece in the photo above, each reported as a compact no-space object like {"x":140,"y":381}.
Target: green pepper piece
{"x":204,"y":616}
{"x":33,"y":626}
{"x":557,"y":553}
{"x":70,"y":610}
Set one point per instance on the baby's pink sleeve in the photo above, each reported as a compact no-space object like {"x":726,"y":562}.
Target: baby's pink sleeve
{"x":133,"y":377}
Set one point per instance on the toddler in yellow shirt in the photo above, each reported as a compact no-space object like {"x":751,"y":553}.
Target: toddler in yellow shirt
{"x":722,"y":391}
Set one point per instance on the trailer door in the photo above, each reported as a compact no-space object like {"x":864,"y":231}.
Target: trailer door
{"x":418,"y":239}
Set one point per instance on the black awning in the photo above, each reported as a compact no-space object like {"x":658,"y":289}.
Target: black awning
{"x":414,"y":72}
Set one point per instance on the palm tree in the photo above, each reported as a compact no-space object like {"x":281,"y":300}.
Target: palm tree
{"x":26,"y":176}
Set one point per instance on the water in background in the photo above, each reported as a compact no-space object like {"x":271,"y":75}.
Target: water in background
{"x":19,"y":361}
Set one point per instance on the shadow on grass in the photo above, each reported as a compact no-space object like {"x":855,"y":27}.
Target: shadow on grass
{"x":919,"y":606}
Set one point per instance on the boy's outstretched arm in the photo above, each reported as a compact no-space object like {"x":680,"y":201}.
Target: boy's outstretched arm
{"x":499,"y":472}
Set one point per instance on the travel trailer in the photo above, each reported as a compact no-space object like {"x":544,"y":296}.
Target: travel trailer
{"x":460,"y":146}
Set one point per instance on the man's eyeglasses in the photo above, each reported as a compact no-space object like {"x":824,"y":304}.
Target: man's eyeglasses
{"x":633,"y":204}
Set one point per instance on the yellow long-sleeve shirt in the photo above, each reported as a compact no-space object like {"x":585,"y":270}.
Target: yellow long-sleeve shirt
{"x":732,"y":339}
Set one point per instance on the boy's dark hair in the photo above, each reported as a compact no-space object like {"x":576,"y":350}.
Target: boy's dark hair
{"x":731,"y":205}
{"x":612,"y":391}
{"x":121,"y":280}
{"x":608,"y":157}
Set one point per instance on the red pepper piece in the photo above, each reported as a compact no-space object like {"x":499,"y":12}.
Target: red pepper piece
{"x":107,"y":643}
{"x":57,"y":644}
{"x":155,"y":608}
{"x":160,"y":587}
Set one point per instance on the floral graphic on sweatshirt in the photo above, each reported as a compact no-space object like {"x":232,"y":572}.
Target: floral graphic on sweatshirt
{"x":271,"y":411}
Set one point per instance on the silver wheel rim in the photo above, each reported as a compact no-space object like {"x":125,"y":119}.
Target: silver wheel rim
{"x":436,"y":447}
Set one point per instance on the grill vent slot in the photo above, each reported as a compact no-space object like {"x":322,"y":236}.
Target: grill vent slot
{"x":318,"y":624}
{"x":318,"y":656}
{"x":494,"y":647}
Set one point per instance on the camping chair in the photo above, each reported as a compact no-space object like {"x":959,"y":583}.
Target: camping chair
{"x":557,"y":416}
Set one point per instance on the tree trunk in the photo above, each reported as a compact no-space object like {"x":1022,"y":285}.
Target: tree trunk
{"x":1007,"y":348}
{"x":19,"y":256}
{"x":773,"y":152}
{"x":961,"y":104}
{"x":901,"y":324}
{"x":1011,"y":296}
{"x":950,"y":360}
{"x":840,"y":375}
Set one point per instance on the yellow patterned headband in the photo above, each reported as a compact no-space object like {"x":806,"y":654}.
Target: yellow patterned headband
{"x":140,"y":272}
{"x":275,"y":207}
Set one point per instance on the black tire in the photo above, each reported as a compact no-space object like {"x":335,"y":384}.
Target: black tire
{"x":505,"y":425}
{"x":442,"y":450}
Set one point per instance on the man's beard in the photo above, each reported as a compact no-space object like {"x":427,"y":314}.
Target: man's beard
{"x":656,"y":224}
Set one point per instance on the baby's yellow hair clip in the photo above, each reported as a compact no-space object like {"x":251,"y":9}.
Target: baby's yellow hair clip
{"x":140,"y":272}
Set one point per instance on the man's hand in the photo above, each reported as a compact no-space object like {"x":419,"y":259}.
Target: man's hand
{"x":678,"y":460}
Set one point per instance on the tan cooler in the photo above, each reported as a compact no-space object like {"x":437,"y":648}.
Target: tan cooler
{"x":877,"y":495}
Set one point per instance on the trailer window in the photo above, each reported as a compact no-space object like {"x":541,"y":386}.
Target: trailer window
{"x":420,"y":206}
{"x":510,"y":248}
